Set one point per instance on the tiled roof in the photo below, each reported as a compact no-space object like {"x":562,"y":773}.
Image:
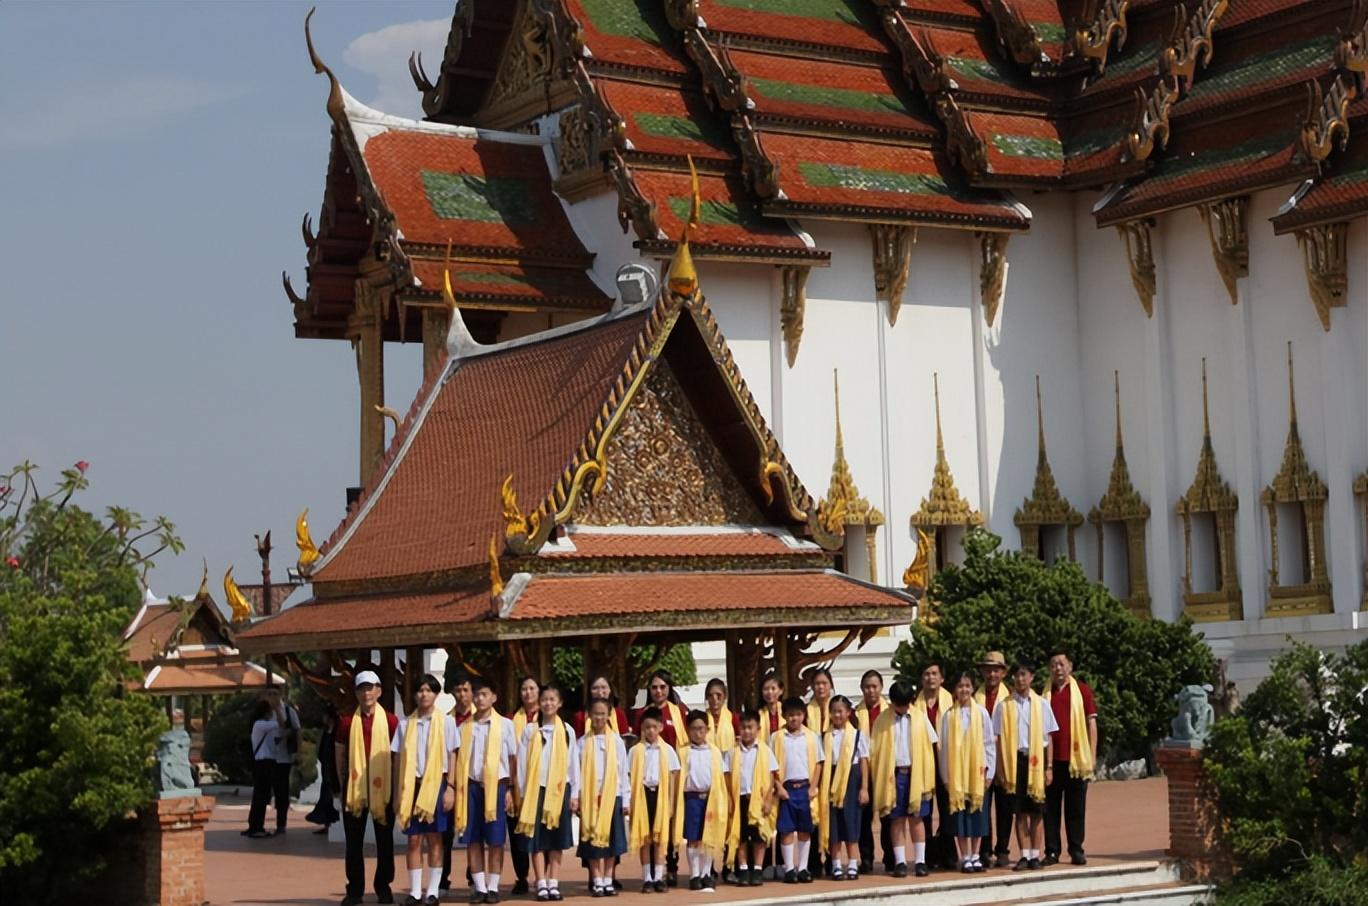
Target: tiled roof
{"x":325,"y":622}
{"x":194,"y":678}
{"x":512,"y":287}
{"x":844,"y":24}
{"x":677,"y":544}
{"x":1342,"y":194}
{"x":158,"y":624}
{"x":667,"y":121}
{"x":630,"y":34}
{"x":280,"y":593}
{"x":973,"y":61}
{"x":729,"y":222}
{"x":1270,"y":61}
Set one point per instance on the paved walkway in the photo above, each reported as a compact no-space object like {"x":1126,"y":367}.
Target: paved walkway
{"x":1126,"y":822}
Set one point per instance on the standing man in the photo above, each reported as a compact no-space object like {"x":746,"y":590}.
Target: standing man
{"x":365,"y":764}
{"x":458,"y":684}
{"x":286,"y":745}
{"x":997,"y":800}
{"x":933,"y":701}
{"x":872,"y":704}
{"x":1075,"y":753}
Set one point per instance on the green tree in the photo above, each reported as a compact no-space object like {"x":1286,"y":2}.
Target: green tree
{"x":568,"y":666}
{"x":76,"y":749}
{"x":1010,"y":602}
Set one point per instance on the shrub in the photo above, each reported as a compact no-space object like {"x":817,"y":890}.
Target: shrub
{"x":1016,"y":604}
{"x":1320,"y":883}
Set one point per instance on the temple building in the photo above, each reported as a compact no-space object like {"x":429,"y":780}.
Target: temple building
{"x":1093,"y":274}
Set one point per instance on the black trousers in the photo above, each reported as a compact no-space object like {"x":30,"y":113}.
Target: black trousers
{"x":522,"y":859}
{"x":280,"y":787}
{"x":998,"y":803}
{"x":940,"y":847}
{"x":263,"y":775}
{"x":1070,"y":796}
{"x":354,"y":830}
{"x":867,"y":839}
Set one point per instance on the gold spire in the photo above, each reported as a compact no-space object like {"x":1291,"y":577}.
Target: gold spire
{"x":843,"y":504}
{"x":1296,"y":481}
{"x":943,"y":505}
{"x":1121,"y":500}
{"x":308,"y":551}
{"x":1046,"y":505}
{"x":918,"y":572}
{"x":1208,"y":491}
{"x":204,"y":582}
{"x":237,"y":601}
{"x":683,"y":279}
{"x":1116,"y":391}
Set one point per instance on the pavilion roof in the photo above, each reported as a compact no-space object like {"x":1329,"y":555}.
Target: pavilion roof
{"x":205,"y":677}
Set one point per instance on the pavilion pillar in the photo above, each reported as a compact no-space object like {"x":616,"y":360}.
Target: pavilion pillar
{"x":542,"y":653}
{"x":365,"y":330}
{"x":436,"y":325}
{"x":413,"y":671}
{"x":387,"y":678}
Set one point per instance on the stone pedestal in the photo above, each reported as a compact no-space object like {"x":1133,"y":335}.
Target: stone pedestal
{"x":173,"y":850}
{"x":1194,"y":826}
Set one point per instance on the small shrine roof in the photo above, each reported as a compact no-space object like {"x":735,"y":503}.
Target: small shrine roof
{"x":207,"y":678}
{"x":154,"y":625}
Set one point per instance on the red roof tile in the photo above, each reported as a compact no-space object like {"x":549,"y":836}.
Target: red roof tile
{"x":729,"y":218}
{"x":322,"y":622}
{"x":208,"y":678}
{"x":158,"y":624}
{"x":1259,"y":64}
{"x":667,"y":121}
{"x":845,"y":24}
{"x":510,"y":287}
{"x":962,"y":11}
{"x":675,"y":544}
{"x":631,"y":34}
{"x":1340,"y":194}
{"x":981,"y":75}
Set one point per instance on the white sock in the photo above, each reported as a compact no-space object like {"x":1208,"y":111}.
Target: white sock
{"x":804,"y":848}
{"x":900,"y":855}
{"x":660,"y":871}
{"x":434,"y":882}
{"x":693,"y":862}
{"x":477,"y":878}
{"x":416,"y":882}
{"x":836,"y":863}
{"x":492,"y":883}
{"x":787,"y":850}
{"x":852,"y":869}
{"x":543,"y":884}
{"x":919,"y":852}
{"x":553,"y":883}
{"x":744,"y":866}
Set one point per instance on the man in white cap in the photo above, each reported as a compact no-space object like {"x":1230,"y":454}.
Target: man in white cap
{"x":364,"y":760}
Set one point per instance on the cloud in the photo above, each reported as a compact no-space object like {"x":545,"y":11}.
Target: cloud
{"x":125,"y":107}
{"x":384,"y":54}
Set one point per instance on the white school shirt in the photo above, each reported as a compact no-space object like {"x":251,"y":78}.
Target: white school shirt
{"x":479,"y":732}
{"x":698,"y":774}
{"x":902,"y":729}
{"x":263,"y":739}
{"x":980,"y":714}
{"x":1023,"y":704}
{"x":861,"y":744}
{"x":452,"y":739}
{"x":525,"y":747}
{"x":743,"y":759}
{"x":650,"y":767}
{"x":796,"y":756}
{"x":601,"y":762}
{"x":281,"y":743}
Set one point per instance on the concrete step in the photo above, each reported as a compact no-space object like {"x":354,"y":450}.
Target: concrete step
{"x":1056,"y":886}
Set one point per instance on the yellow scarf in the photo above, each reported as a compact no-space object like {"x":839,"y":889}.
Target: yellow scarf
{"x":596,"y":806}
{"x":1035,"y":747}
{"x":715,"y":812}
{"x":944,"y":702}
{"x":818,"y":717}
{"x":677,"y":721}
{"x":721,"y":733}
{"x":520,"y":720}
{"x":762,"y":787}
{"x":426,"y":805}
{"x":964,"y":760}
{"x":837,"y":770}
{"x":816,"y":801}
{"x":641,"y":832}
{"x":862,"y":718}
{"x":883,"y":762}
{"x":490,"y":778}
{"x":1080,"y":747}
{"x":765,"y":714}
{"x":376,"y":767}
{"x":555,"y":780}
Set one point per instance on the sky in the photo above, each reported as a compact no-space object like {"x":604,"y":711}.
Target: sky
{"x":156,"y":160}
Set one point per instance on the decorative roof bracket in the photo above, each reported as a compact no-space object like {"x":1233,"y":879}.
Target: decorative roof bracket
{"x":1152,"y":118}
{"x":1191,"y":44}
{"x":761,"y":172}
{"x":992,"y":272}
{"x":1094,"y":41}
{"x":1015,"y":34}
{"x":1325,"y":253}
{"x":792,"y":304}
{"x":1327,"y":118}
{"x":961,"y":142}
{"x":1227,"y":228}
{"x":1140,"y":255}
{"x":1351,"y":53}
{"x":892,"y":262}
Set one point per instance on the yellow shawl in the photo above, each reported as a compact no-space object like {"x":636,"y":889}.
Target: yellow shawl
{"x":492,"y":762}
{"x":376,"y":767}
{"x":762,"y":788}
{"x":677,"y":721}
{"x":944,"y":702}
{"x":862,"y":714}
{"x":425,"y":808}
{"x":640,"y":832}
{"x":964,"y":761}
{"x":1080,"y":746}
{"x":554,"y":800}
{"x":520,"y":720}
{"x":596,"y":803}
{"x":765,"y":715}
{"x":883,"y":761}
{"x":982,"y":698}
{"x":818,"y":717}
{"x":715,"y":813}
{"x":721,"y":733}
{"x":837,"y":768}
{"x":1035,"y":747}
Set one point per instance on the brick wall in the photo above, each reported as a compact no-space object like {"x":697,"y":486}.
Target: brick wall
{"x":1194,"y":825}
{"x":173,"y":850}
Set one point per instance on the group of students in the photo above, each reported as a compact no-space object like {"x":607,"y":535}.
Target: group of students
{"x":792,"y":790}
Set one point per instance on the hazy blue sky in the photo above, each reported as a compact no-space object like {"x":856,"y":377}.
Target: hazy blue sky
{"x":155,"y":161}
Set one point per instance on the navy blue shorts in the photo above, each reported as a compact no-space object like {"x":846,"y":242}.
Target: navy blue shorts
{"x":478,"y":830}
{"x":901,"y":807}
{"x":795,"y":812}
{"x":441,"y":821}
{"x":695,"y":810}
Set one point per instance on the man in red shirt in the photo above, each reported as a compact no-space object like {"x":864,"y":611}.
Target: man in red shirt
{"x":996,"y":803}
{"x":367,"y":685}
{"x":1066,"y":793}
{"x":872,"y":703}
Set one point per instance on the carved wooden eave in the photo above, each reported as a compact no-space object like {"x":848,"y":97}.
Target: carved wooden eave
{"x":1151,"y":129}
{"x":1209,"y":492}
{"x":1094,"y":41}
{"x":1351,"y":53}
{"x":1325,"y":257}
{"x":1189,"y":48}
{"x":1121,"y":502}
{"x":761,"y":173}
{"x":892,"y":262}
{"x":537,"y":72}
{"x":1326,"y":126}
{"x":1228,"y":230}
{"x":1046,"y":505}
{"x":921,"y":63}
{"x":844,"y":506}
{"x":1016,"y":37}
{"x":1296,"y":481}
{"x":943,"y":505}
{"x":992,"y":272}
{"x":792,"y":305}
{"x":962,"y":144}
{"x":1138,"y":238}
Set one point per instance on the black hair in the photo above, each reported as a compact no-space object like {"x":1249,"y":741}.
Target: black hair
{"x":772,"y":677}
{"x":695,"y":715}
{"x":612,"y":696}
{"x":792,"y":704}
{"x":542,"y":689}
{"x":1060,"y":650}
{"x":664,"y":676}
{"x":874,"y":673}
{"x":600,"y":701}
{"x":479,"y":682}
{"x":821,"y":671}
{"x":713,"y":683}
{"x":933,"y":663}
{"x":330,"y":712}
{"x":1021,"y":664}
{"x":651,"y":713}
{"x":750,"y":715}
{"x":965,"y":675}
{"x":431,"y":682}
{"x":456,"y":678}
{"x":842,"y":699}
{"x":536,"y":682}
{"x":262,"y":710}
{"x":901,"y":693}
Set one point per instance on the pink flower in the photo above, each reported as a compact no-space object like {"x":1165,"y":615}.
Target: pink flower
{"x":12,"y":562}
{"x":82,"y":466}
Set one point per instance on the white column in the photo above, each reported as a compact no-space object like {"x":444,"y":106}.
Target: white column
{"x":1251,"y":521}
{"x":1163,"y":484}
{"x":979,"y":339}
{"x":891,"y":519}
{"x":778,"y":362}
{"x":1343,"y":513}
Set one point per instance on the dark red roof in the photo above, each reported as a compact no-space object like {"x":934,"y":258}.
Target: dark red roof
{"x":678,"y":545}
{"x":333,"y":622}
{"x":844,"y":24}
{"x":512,"y":287}
{"x":628,"y":34}
{"x":1341,"y":194}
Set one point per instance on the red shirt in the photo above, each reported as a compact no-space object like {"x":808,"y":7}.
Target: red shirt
{"x":367,"y":720}
{"x":990,"y":698}
{"x":462,"y":718}
{"x":775,"y":718}
{"x":1059,"y":703}
{"x":933,"y":713}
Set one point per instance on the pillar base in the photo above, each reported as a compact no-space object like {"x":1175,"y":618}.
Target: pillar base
{"x":1194,"y":825}
{"x":173,"y":850}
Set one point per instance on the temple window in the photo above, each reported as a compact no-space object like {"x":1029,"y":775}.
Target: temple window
{"x":1361,"y":493}
{"x":1046,"y":519}
{"x":944,"y":517}
{"x":1120,"y":517}
{"x":1211,"y":585}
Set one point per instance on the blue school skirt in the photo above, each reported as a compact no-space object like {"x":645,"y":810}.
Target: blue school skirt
{"x":795,"y":812}
{"x":966,"y":823}
{"x":617,"y":838}
{"x":695,"y":811}
{"x":545,"y":839}
{"x":902,"y":781}
{"x":845,"y":818}
{"x":441,"y":821}
{"x":479,"y":831}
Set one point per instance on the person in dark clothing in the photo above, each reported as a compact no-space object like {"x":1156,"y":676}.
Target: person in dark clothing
{"x":265,"y":724}
{"x":325,"y":812}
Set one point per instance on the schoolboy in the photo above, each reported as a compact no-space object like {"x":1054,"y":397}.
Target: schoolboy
{"x":482,"y":793}
{"x":903,"y":771}
{"x":872,"y":703}
{"x":754,"y":779}
{"x":701,"y":809}
{"x":363,"y":757}
{"x":1023,"y":724}
{"x":799,"y":753}
{"x":458,"y":686}
{"x":653,"y":776}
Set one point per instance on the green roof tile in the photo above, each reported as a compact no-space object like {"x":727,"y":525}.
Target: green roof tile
{"x":982,"y":70}
{"x":1029,"y":146}
{"x":491,"y":277}
{"x":493,"y":199}
{"x":844,"y":176}
{"x":1265,"y":67}
{"x":643,"y":21}
{"x":1249,"y":151}
{"x":851,"y":12}
{"x":710,"y":212}
{"x":663,"y":125}
{"x":1049,"y":32}
{"x":820,"y":96}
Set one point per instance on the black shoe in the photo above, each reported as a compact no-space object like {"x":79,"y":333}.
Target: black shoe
{"x":921,"y":870}
{"x":900,"y":870}
{"x":1034,"y":864}
{"x":671,"y":878}
{"x":431,"y":901}
{"x":709,"y":883}
{"x":1002,"y":861}
{"x":790,"y":877}
{"x":556,"y":895}
{"x":444,"y":886}
{"x":731,"y":878}
{"x":384,"y":896}
{"x":1078,"y":859}
{"x":694,"y":884}
{"x":411,"y":900}
{"x":350,"y":900}
{"x":477,"y":896}
{"x":1051,"y":859}
{"x":866,"y":868}
{"x":757,"y":878}
{"x":610,"y":890}
{"x":520,"y":887}
{"x":595,"y":891}
{"x":492,"y":896}
{"x":661,"y":887}
{"x":1022,"y":865}
{"x":804,"y":877}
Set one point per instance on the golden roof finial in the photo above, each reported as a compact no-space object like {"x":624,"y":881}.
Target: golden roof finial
{"x":1291,"y":384}
{"x":204,"y":582}
{"x":1116,"y":381}
{"x":944,"y":505}
{"x":237,"y":601}
{"x":1040,"y":425}
{"x":843,"y":504}
{"x":683,"y":278}
{"x":515,"y":524}
{"x":918,"y":572}
{"x":940,"y":439}
{"x":308,"y":551}
{"x":336,"y":106}
{"x":496,"y":582}
{"x":447,"y":295}
{"x":1206,"y":412}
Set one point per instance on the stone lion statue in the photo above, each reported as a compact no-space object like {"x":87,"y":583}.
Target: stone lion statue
{"x":1195,"y":715}
{"x":173,"y":777}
